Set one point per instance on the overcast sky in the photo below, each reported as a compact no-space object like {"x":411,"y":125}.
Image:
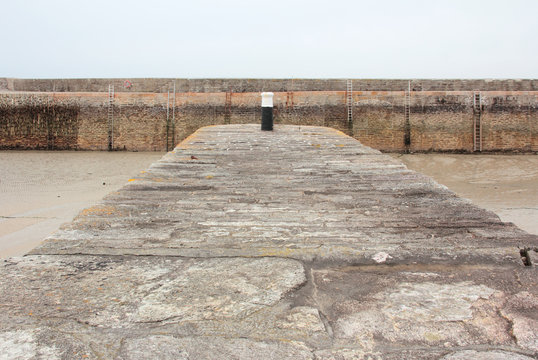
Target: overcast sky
{"x":269,"y":39}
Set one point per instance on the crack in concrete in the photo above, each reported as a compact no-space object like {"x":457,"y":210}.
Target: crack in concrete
{"x":314,"y":296}
{"x":510,"y":325}
{"x":326,"y":324}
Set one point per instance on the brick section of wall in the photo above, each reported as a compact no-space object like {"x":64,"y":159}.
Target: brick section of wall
{"x":30,"y":121}
{"x":510,"y":122}
{"x":258,"y":85}
{"x":439,"y":120}
{"x":378,"y":119}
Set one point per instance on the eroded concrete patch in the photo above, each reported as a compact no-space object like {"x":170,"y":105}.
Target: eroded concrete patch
{"x":27,"y":344}
{"x":120,"y":292}
{"x":424,"y":312}
{"x":432,"y":306}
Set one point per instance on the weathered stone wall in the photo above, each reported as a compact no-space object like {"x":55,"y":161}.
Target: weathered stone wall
{"x":439,"y":120}
{"x":38,"y":122}
{"x":258,"y":85}
{"x":442,"y":122}
{"x":510,"y":121}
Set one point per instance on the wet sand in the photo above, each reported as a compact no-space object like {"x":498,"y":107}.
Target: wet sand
{"x":40,"y":190}
{"x":504,"y":184}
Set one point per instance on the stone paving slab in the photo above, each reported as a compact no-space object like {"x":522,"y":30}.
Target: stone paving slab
{"x":301,"y":192}
{"x":294,"y":244}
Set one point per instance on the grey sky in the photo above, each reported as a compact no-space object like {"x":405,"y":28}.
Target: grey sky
{"x":278,"y":38}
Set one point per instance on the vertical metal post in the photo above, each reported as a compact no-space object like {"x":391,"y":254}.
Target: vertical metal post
{"x":349,"y":103}
{"x":407,"y":117}
{"x":174,"y":118}
{"x":477,"y":121}
{"x":167,"y":118}
{"x":50,"y":117}
{"x":228,"y":107}
{"x":110,"y":117}
{"x":267,"y":111}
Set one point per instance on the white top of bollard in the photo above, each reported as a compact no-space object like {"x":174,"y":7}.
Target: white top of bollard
{"x":267,"y":99}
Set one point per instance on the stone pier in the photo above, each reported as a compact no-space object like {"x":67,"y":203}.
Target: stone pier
{"x":299,"y":243}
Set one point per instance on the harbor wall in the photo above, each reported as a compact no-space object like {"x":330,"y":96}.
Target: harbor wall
{"x":55,"y":114}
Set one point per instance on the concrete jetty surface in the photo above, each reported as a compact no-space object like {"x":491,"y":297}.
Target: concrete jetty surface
{"x":294,"y":244}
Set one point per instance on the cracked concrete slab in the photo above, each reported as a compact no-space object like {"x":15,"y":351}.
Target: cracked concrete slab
{"x":298,"y":243}
{"x":442,"y":306}
{"x":123,"y":292}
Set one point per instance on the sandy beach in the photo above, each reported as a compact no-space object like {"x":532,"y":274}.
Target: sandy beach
{"x":504,"y":184}
{"x":40,"y":190}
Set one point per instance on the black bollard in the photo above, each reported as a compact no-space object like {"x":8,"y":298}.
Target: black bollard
{"x":267,"y":111}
